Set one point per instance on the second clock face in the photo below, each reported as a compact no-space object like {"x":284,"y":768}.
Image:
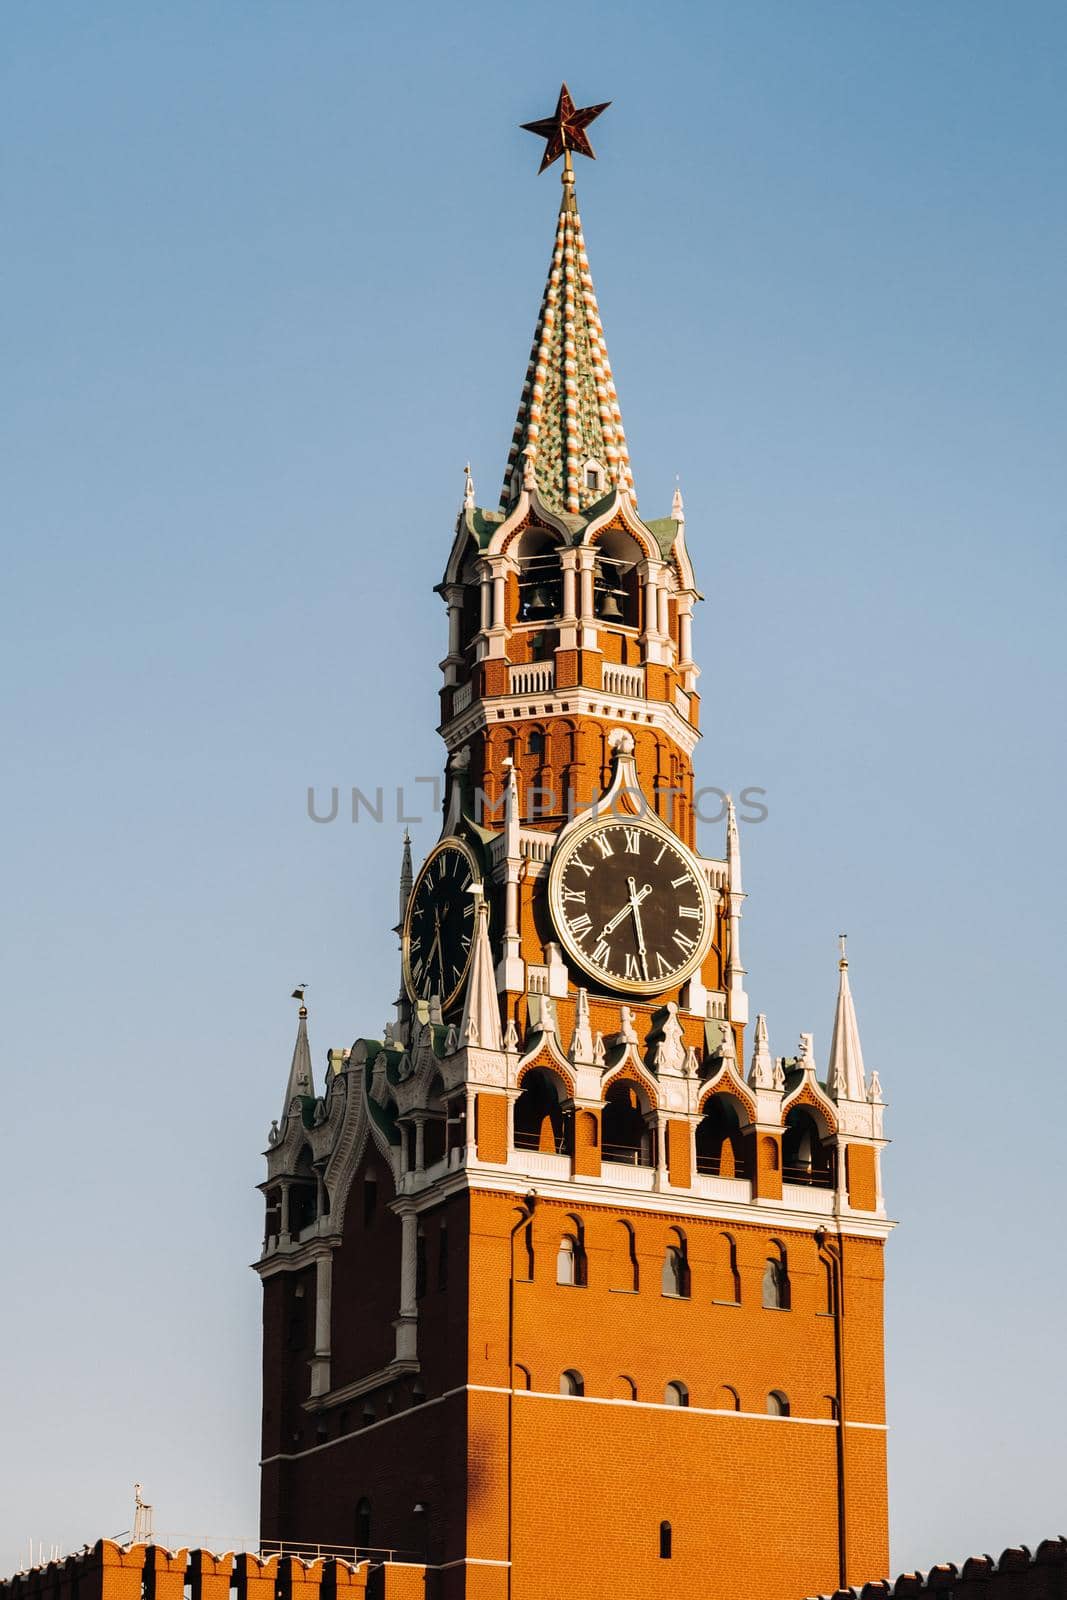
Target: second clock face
{"x":630,"y":905}
{"x":439,"y":924}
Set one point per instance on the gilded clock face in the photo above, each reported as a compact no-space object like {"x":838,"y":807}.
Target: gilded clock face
{"x":631,"y":905}
{"x":439,"y":924}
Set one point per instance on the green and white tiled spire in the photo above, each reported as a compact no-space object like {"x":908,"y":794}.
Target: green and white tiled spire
{"x":569,"y":439}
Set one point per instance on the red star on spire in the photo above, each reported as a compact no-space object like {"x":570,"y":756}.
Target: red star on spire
{"x":565,"y":129}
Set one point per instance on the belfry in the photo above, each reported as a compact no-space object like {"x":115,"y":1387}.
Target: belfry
{"x":571,"y":1286}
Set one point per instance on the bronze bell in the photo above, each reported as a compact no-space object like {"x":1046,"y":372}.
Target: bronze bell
{"x":610,"y":610}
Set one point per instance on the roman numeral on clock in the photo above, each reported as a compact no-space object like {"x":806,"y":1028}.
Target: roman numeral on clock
{"x":676,"y":883}
{"x":683,"y":942}
{"x":574,"y":897}
{"x":632,"y":969}
{"x":581,"y":925}
{"x":692,"y":912}
{"x":603,"y":844}
{"x":633,"y":841}
{"x":602,"y":953}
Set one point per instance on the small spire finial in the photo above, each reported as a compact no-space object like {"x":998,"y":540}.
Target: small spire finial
{"x":468,"y":488}
{"x":564,"y":131}
{"x":298,"y":994}
{"x":677,"y":503}
{"x":842,"y":940}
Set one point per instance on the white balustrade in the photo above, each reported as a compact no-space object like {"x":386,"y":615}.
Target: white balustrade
{"x":462,"y":698}
{"x":532,"y":677}
{"x":626,"y":681}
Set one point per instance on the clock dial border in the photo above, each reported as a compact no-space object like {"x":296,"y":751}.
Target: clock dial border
{"x":453,"y":844}
{"x":581,"y":958}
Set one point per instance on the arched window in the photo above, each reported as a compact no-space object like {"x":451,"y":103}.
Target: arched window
{"x":676,"y":1393}
{"x":675,"y":1275}
{"x":827,"y":1286}
{"x":616,"y":585}
{"x":623,"y":1387}
{"x":535,"y":744}
{"x":830,"y":1403}
{"x":521,"y":1377}
{"x":666,"y":1540}
{"x":624,"y":1268}
{"x":625,"y":1133}
{"x":435,"y":1130}
{"x":540,"y":579}
{"x":805,"y":1156}
{"x":571,"y":1382}
{"x":777,"y":1404}
{"x":570,"y":1261}
{"x":727,"y":1277}
{"x":303,"y":1194}
{"x":727,"y":1399}
{"x":539,"y":1120}
{"x":363,"y":1528}
{"x":776,"y":1292}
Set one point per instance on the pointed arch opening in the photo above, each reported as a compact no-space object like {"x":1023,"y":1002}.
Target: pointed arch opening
{"x":721,"y":1148}
{"x":539,"y":1120}
{"x":626,"y":1131}
{"x":540,"y":578}
{"x":808,"y":1154}
{"x":616,"y":584}
{"x":303,"y":1194}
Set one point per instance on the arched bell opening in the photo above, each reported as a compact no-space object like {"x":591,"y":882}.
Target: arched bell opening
{"x":721,"y":1149}
{"x":435,"y":1128}
{"x":616,"y":585}
{"x":303,"y":1194}
{"x":540,"y":577}
{"x":808,"y":1153}
{"x":627,"y":1131}
{"x":540,"y":1121}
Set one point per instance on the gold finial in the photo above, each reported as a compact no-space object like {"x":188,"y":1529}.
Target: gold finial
{"x":564,"y":131}
{"x":841,"y":939}
{"x":298,"y":994}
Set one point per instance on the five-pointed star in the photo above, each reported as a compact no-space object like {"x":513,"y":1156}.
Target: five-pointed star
{"x":565,"y":129}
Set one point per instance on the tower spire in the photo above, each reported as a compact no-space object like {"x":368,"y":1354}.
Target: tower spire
{"x":845,"y":1076}
{"x":301,"y":1082}
{"x":569,"y":439}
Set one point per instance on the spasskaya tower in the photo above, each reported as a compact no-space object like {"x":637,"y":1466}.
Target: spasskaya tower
{"x":558,"y":1296}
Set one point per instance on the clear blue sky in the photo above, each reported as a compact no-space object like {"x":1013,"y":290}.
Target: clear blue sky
{"x":271,"y":275}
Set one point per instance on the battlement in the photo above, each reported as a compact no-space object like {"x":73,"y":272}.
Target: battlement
{"x":1018,"y":1575}
{"x":110,"y":1571}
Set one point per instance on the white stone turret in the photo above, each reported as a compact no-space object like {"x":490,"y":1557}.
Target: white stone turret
{"x":845,"y":1076}
{"x":761,"y":1073}
{"x":480,"y":1024}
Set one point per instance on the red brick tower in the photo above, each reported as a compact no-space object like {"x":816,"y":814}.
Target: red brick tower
{"x":557,"y":1297}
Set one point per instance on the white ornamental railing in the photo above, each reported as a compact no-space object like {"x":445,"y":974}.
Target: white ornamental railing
{"x":532,"y":677}
{"x":803,"y":1197}
{"x":627,"y":681}
{"x":462,"y":698}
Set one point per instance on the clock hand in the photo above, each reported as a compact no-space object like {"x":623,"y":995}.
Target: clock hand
{"x":609,"y":927}
{"x":635,"y":903}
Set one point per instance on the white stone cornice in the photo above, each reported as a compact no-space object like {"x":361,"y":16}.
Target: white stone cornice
{"x":583,"y":701}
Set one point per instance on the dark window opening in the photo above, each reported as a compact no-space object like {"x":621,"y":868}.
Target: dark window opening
{"x":370,"y":1198}
{"x":776,"y":1288}
{"x":666,"y":1540}
{"x":363,"y":1525}
{"x":805,"y":1158}
{"x":442,"y":1257}
{"x":540,"y":1122}
{"x":625,"y":1135}
{"x":540,"y":583}
{"x":720,"y":1146}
